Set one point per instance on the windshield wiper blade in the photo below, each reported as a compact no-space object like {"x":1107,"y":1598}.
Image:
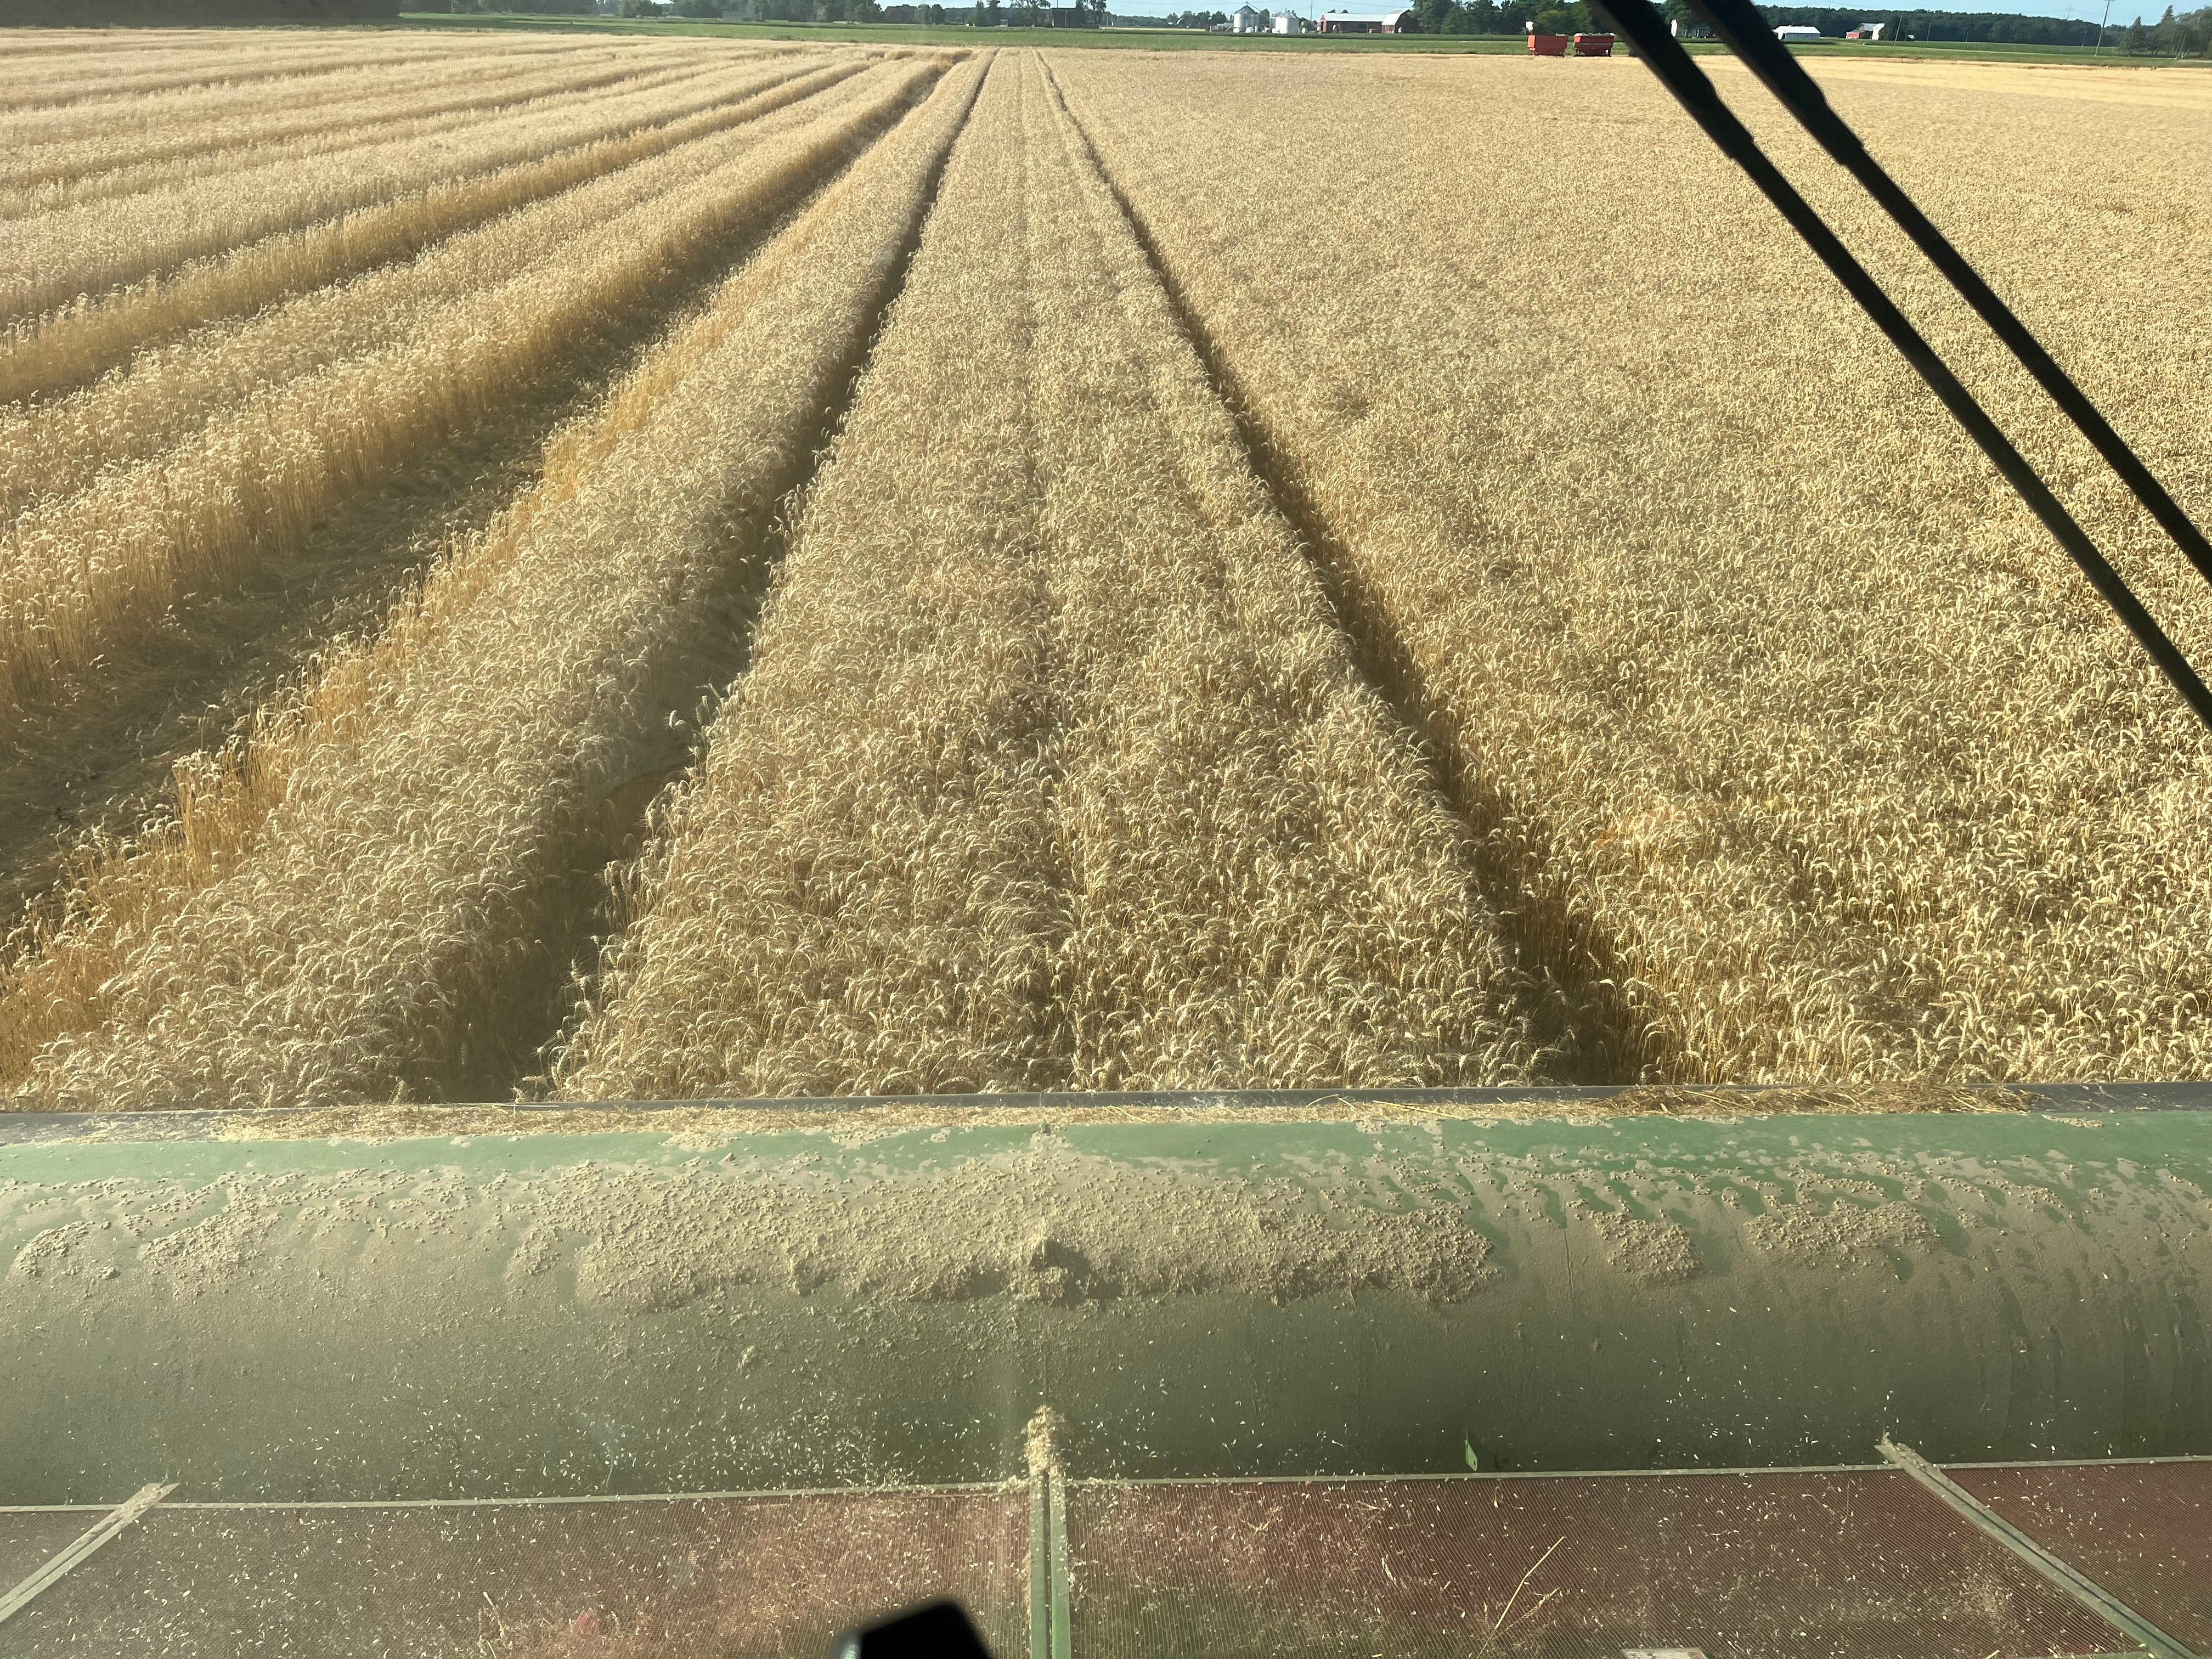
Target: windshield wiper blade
{"x":1745,"y":34}
{"x":1638,"y":21}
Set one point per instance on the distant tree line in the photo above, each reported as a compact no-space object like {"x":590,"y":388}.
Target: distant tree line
{"x":817,"y":11}
{"x":831,"y":11}
{"x":1437,"y":16}
{"x":2173,"y":37}
{"x":983,"y":16}
{"x":1995,"y":26}
{"x":2188,"y":35}
{"x":792,"y":11}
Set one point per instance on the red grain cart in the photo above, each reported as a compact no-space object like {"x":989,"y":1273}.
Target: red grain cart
{"x":1548,"y":45}
{"x":1593,"y":46}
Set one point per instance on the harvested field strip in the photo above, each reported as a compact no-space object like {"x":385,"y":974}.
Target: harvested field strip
{"x":1776,"y":693}
{"x":158,"y":70}
{"x":195,"y":680}
{"x":62,"y":258}
{"x":859,"y":883}
{"x":225,"y":66}
{"x":72,"y":347}
{"x":1057,"y":775}
{"x":508,"y":732}
{"x":148,"y":115}
{"x":43,"y":146}
{"x":82,"y":576}
{"x":28,"y":46}
{"x":82,"y":172}
{"x":55,"y":448}
{"x":181,"y":73}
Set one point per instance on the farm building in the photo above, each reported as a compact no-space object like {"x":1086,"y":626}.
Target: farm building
{"x":1685,"y":29}
{"x":1289,"y":22}
{"x":1789,"y":32}
{"x":1865,"y":32}
{"x":1247,"y":20}
{"x":1369,"y":22}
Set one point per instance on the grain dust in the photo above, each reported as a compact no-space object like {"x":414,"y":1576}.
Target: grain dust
{"x":1046,"y":1224}
{"x":1845,"y":1235}
{"x":1648,"y":1252}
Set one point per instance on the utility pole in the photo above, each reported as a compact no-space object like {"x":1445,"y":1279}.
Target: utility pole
{"x":2101,"y":28}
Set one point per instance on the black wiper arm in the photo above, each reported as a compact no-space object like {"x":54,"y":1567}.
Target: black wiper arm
{"x":1739,"y":24}
{"x":1640,"y":22}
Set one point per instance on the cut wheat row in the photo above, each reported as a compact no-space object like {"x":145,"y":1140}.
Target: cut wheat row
{"x":26,"y":47}
{"x":53,"y":448}
{"x":180,"y":61}
{"x":1782,"y":707}
{"x":417,"y":106}
{"x":86,"y":574}
{"x":64,"y":257}
{"x":324,"y":964}
{"x":892,"y":725}
{"x":44,"y":144}
{"x":125,"y":115}
{"x":199,"y":65}
{"x":70,"y":347}
{"x":1050,"y":773}
{"x":189,"y":68}
{"x":1269,"y":890}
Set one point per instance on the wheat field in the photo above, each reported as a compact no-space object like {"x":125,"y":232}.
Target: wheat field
{"x":602,"y":568}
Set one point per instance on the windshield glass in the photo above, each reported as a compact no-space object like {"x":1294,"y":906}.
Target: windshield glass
{"x":1266,"y":845}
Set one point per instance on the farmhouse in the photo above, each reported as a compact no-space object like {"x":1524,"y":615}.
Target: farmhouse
{"x":1370,"y":22}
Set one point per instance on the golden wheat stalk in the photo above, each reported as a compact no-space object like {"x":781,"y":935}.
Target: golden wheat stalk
{"x":69,"y":347}
{"x":1784,"y":715}
{"x":202,"y":65}
{"x":151,"y":115}
{"x":1050,"y":769}
{"x":509,"y":723}
{"x":418,"y":106}
{"x":89,"y":573}
{"x":62,"y":258}
{"x":56,"y":448}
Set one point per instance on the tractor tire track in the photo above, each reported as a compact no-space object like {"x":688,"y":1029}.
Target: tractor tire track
{"x":1614,"y":1036}
{"x":712,"y":666}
